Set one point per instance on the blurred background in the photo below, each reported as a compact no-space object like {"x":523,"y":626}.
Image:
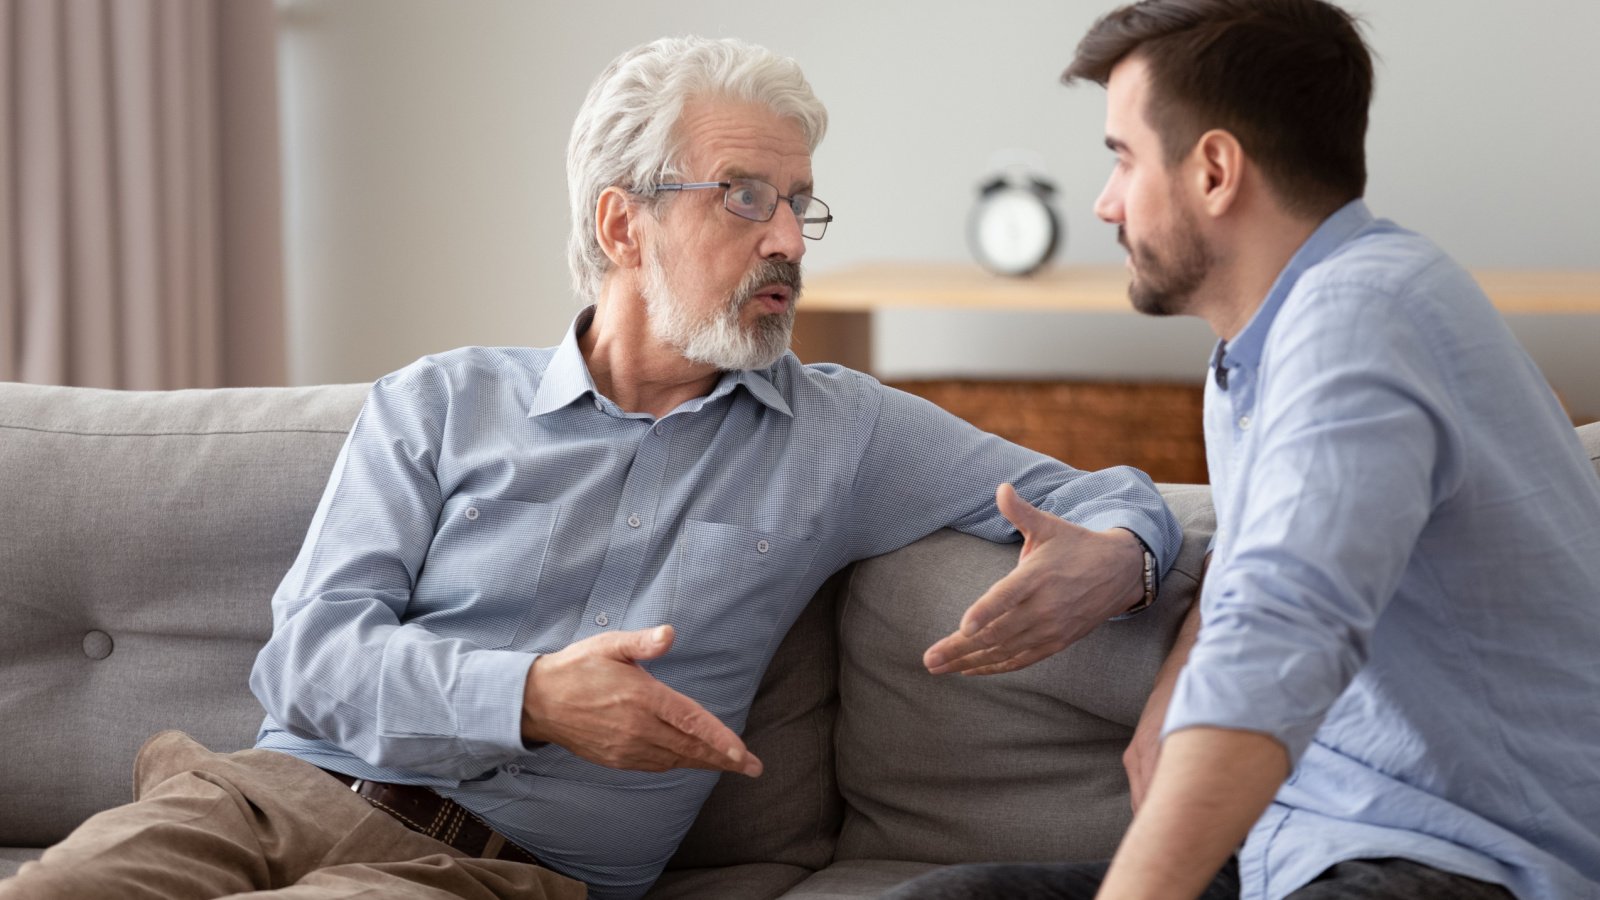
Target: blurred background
{"x":426,"y":197}
{"x":414,"y":150}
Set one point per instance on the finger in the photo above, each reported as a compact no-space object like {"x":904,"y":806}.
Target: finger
{"x":987,"y":656}
{"x":1001,"y":597}
{"x":701,"y":736}
{"x":1024,"y":516}
{"x":1028,"y":519}
{"x":960,"y":654}
{"x":947,"y":650}
{"x":632,"y":646}
{"x":1019,"y":660}
{"x":659,"y":746}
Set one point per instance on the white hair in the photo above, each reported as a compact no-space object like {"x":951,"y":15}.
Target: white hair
{"x":626,"y":131}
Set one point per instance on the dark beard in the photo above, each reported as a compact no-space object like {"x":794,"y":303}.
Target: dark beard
{"x":1165,"y":286}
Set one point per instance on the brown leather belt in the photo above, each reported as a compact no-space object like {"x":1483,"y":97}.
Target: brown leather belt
{"x":426,"y":812}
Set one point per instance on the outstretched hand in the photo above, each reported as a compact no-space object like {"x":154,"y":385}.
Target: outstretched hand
{"x":596,"y":701}
{"x":1067,"y":581}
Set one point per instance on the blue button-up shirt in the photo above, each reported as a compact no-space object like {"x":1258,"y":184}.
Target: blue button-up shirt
{"x":490,"y":505}
{"x":1406,"y":582}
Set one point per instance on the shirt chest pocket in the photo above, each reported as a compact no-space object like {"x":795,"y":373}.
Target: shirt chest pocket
{"x":480,"y":580}
{"x":738,"y":587}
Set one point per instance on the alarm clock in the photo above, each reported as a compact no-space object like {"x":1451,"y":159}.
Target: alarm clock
{"x":1014,"y":228}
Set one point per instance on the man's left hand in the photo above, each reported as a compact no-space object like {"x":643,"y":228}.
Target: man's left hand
{"x":1067,"y":581}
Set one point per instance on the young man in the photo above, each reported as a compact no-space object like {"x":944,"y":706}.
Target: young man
{"x":542,"y":586}
{"x":1395,"y":691}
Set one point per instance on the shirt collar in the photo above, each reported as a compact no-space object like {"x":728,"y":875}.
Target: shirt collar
{"x":1245,"y":348}
{"x":567,"y":378}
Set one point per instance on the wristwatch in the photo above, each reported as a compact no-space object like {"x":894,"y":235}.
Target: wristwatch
{"x":1151,"y":578}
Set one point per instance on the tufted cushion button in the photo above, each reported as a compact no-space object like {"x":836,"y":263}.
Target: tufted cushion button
{"x":97,"y":645}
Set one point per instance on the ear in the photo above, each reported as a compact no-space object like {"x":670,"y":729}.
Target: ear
{"x":616,"y":224}
{"x":1218,"y":172}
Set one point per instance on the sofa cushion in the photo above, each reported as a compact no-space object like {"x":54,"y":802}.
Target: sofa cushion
{"x":857,"y":879}
{"x":1025,"y":765}
{"x":749,"y":881}
{"x":12,"y":858}
{"x":144,"y":535}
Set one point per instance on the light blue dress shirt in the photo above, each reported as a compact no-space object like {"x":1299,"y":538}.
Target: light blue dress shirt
{"x":1404,"y":581}
{"x":490,"y":505}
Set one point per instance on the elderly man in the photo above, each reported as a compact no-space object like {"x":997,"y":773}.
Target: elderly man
{"x":540,"y":590}
{"x":1394,"y":692}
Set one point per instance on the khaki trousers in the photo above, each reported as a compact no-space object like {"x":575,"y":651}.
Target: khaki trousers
{"x":260,"y":824}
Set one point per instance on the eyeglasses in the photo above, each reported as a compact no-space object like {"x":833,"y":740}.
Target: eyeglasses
{"x":749,"y":198}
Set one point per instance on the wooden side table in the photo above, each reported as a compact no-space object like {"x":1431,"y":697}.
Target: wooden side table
{"x":834,"y":323}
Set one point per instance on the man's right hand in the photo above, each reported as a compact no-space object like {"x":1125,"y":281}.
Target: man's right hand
{"x":593,"y":699}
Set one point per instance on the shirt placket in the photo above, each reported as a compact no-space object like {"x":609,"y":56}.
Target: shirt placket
{"x":632,"y":530}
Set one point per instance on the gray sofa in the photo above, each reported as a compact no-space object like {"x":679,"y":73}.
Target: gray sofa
{"x":142,"y":535}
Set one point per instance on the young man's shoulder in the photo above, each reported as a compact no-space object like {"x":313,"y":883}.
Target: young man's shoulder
{"x":1382,"y":261}
{"x":1389,"y":277}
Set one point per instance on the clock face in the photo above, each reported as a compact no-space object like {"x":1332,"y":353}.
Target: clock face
{"x":1013,"y":231}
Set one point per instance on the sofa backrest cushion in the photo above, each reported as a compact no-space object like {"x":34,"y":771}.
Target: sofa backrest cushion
{"x":141,"y":538}
{"x":1020,"y":766}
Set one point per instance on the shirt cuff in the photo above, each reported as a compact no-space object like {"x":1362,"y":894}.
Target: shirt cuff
{"x":1143,"y":528}
{"x":488,"y":702}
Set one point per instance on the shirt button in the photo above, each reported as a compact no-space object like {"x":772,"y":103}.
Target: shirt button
{"x":762,"y":546}
{"x":1244,"y":423}
{"x":633,"y":521}
{"x":472,"y":512}
{"x":602,"y":620}
{"x":598,"y":405}
{"x":661,"y":429}
{"x":513,"y":770}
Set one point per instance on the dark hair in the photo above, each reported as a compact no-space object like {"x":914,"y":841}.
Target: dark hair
{"x":1291,"y":79}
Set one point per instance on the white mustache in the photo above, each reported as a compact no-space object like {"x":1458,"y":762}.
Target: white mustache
{"x":784,"y":273}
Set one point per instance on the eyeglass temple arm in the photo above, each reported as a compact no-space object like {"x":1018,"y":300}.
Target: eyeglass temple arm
{"x":692,"y":186}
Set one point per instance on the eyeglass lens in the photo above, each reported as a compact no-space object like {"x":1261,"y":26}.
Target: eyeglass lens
{"x":758,"y":200}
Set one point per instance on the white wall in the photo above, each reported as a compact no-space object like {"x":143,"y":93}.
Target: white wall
{"x":427,"y":203}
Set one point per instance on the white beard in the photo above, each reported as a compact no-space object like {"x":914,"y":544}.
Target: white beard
{"x":720,"y":339}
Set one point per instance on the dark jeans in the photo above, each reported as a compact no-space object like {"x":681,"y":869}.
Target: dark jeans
{"x":1362,"y":879}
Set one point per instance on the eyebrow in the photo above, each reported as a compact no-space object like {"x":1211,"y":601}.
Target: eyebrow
{"x":1116,"y":145}
{"x":803,"y":187}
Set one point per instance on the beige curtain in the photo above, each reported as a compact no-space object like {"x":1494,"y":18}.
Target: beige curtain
{"x":140,"y":216}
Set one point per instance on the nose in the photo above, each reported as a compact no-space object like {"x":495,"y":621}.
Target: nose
{"x":782,"y":240}
{"x":1109,"y":204}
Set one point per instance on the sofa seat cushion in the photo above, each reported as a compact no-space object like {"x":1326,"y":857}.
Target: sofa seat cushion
{"x":12,"y":858}
{"x":748,"y":881}
{"x":857,"y":879}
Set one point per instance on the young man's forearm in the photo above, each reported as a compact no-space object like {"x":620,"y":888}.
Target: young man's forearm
{"x":1210,"y":787}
